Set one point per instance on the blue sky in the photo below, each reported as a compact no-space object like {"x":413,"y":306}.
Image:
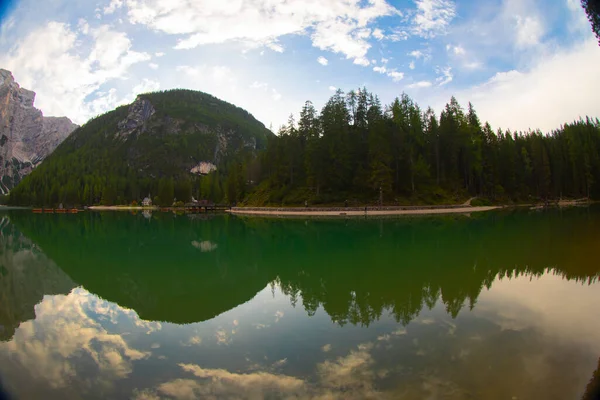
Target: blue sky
{"x":523,"y":63}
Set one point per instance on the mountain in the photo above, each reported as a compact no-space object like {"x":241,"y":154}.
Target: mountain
{"x":26,"y":136}
{"x":160,"y":144}
{"x":26,"y":276}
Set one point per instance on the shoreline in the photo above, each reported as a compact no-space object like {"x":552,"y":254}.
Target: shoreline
{"x":121,"y":208}
{"x":340,"y":212}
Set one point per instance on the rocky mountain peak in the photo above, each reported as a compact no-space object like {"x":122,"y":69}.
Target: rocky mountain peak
{"x":26,"y":136}
{"x":6,"y":77}
{"x":140,"y":112}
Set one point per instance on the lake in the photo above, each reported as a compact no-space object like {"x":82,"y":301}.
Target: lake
{"x":498,"y":305}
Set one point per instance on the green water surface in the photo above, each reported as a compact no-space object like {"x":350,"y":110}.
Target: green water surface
{"x":498,"y":305}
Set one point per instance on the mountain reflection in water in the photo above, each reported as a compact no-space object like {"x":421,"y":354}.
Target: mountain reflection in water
{"x":168,"y":306}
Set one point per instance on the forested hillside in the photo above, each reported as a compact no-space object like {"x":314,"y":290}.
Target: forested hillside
{"x":354,"y":150}
{"x":149,"y":147}
{"x":358,"y":150}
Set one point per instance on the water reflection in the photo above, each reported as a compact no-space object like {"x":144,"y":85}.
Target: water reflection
{"x":355,"y":270}
{"x":26,"y":275}
{"x":413,"y":316}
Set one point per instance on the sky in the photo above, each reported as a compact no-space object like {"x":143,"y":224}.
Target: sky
{"x":524,"y":64}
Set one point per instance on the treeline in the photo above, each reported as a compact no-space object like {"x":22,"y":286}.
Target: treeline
{"x":354,"y":149}
{"x":357,"y":149}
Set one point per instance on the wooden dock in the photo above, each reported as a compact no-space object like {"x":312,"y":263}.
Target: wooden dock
{"x":55,"y":210}
{"x":206,"y":208}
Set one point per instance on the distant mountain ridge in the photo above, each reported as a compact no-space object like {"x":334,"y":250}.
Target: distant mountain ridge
{"x":159,"y":145}
{"x":26,"y":136}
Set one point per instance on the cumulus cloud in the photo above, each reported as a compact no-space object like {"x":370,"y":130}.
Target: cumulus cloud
{"x":225,"y":384}
{"x":113,"y":6}
{"x":339,"y":26}
{"x":362,"y":61}
{"x":558,"y":88}
{"x":323,"y":61}
{"x":63,"y":333}
{"x":433,"y":17}
{"x":349,"y":377}
{"x":51,"y":61}
{"x":529,"y":31}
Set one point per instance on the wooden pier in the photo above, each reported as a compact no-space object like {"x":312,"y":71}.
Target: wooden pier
{"x":204,"y":207}
{"x":55,"y":210}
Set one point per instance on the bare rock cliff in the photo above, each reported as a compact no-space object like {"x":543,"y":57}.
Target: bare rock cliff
{"x":26,"y":136}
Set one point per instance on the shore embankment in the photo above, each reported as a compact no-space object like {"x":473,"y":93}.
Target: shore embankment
{"x":359,"y":211}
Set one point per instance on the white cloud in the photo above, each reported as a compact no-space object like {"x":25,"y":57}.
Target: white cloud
{"x":159,"y":54}
{"x":279,"y":315}
{"x":411,"y":65}
{"x":378,"y":34}
{"x":396,"y":76}
{"x":557,"y":89}
{"x":83,"y":26}
{"x":362,"y":61}
{"x":276,"y":47}
{"x":113,"y":6}
{"x":146,"y":86}
{"x":153,"y":65}
{"x":340,"y":26}
{"x":275,"y":95}
{"x":392,"y":73}
{"x":418,"y":54}
{"x":433,"y":17}
{"x":218,"y":74}
{"x":63,"y":334}
{"x":456,"y":50}
{"x":529,"y":31}
{"x":473,"y":65}
{"x":263,"y":86}
{"x":384,"y":60}
{"x":332,"y":88}
{"x":398,"y":35}
{"x":259,"y":85}
{"x":323,"y":61}
{"x":222,"y":337}
{"x":52,"y":61}
{"x":351,"y":377}
{"x":445,"y":76}
{"x":421,"y":84}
